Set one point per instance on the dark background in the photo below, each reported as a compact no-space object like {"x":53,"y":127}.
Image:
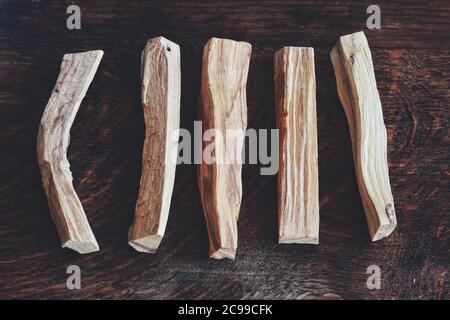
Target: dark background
{"x":411,"y":60}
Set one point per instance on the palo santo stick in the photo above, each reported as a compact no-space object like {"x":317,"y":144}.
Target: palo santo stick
{"x":298,"y":186}
{"x":223,"y":107}
{"x":161,"y":90}
{"x":357,"y":89}
{"x":76,"y":74}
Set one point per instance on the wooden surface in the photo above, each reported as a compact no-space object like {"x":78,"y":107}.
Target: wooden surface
{"x":410,"y":55}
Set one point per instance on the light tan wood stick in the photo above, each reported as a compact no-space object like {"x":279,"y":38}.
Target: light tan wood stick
{"x":161,"y":90}
{"x":357,"y":89}
{"x":76,"y":74}
{"x":223,"y":107}
{"x":298,"y":185}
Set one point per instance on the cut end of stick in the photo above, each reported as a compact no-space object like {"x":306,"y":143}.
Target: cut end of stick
{"x":354,"y":35}
{"x":223,"y":40}
{"x":298,"y":240}
{"x":99,"y":53}
{"x":223,"y":253}
{"x":165,"y":42}
{"x":147,"y":244}
{"x":82,"y":246}
{"x":384,"y":231}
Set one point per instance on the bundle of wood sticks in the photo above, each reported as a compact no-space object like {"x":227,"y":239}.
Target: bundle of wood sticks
{"x":223,"y":106}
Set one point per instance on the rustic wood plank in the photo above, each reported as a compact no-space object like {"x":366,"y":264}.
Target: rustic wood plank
{"x":357,"y":89}
{"x":298,"y":184}
{"x":76,"y":74}
{"x":161,"y":90}
{"x":223,"y":107}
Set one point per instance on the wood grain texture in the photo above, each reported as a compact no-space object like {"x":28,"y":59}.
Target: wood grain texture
{"x":357,"y":89}
{"x":161,"y":90}
{"x":410,"y":58}
{"x":223,"y":107}
{"x":76,"y":74}
{"x":298,"y":180}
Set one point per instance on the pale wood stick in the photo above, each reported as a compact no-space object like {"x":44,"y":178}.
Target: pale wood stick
{"x":223,"y":106}
{"x":357,"y":89}
{"x":76,"y":74}
{"x":298,"y":185}
{"x":161,"y":90}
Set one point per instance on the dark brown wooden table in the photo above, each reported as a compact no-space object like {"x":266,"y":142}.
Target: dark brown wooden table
{"x":411,"y":60}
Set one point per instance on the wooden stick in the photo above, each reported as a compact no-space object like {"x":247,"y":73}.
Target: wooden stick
{"x":76,"y":74}
{"x":357,"y":89}
{"x":298,"y":186}
{"x":161,"y":90}
{"x":223,"y":106}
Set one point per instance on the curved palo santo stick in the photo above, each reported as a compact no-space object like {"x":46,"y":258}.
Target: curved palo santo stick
{"x":357,"y":89}
{"x":298,"y":185}
{"x":161,"y":90}
{"x":223,"y":106}
{"x":77,"y":72}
